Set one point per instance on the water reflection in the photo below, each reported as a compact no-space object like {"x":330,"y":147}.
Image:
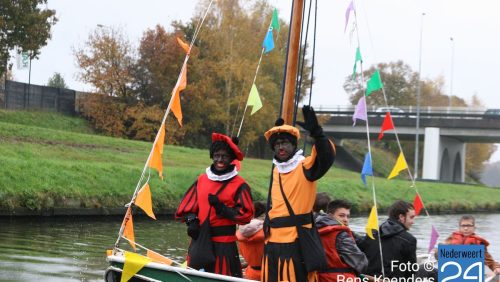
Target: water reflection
{"x":73,"y":249}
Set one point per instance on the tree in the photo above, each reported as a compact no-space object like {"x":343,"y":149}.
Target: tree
{"x":25,"y":25}
{"x":57,"y":81}
{"x":106,"y":61}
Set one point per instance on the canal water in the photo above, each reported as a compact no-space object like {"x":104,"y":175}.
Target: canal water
{"x":73,"y":249}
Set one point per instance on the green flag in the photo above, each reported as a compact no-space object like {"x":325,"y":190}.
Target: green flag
{"x":275,"y":23}
{"x":374,"y":84}
{"x":254,"y":100}
{"x":358,"y":58}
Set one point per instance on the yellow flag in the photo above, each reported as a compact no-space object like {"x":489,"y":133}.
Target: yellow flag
{"x":143,"y":200}
{"x":156,"y":257}
{"x":156,"y":158}
{"x":372,"y":223}
{"x":128,"y":229}
{"x":254,"y":99}
{"x":184,"y":264}
{"x":176,"y":104}
{"x":400,"y":165}
{"x":183,"y":45}
{"x":133,"y":263}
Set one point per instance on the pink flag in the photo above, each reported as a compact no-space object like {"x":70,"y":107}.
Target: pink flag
{"x":434,"y":238}
{"x":360,"y":111}
{"x":347,"y":13}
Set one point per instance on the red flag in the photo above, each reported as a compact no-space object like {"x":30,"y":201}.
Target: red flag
{"x":386,"y":125}
{"x":418,"y":204}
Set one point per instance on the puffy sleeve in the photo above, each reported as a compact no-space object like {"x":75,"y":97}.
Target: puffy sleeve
{"x":321,"y":159}
{"x":242,"y":212}
{"x":189,"y":203}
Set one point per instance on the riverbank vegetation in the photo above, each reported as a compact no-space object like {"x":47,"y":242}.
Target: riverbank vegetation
{"x":52,"y":161}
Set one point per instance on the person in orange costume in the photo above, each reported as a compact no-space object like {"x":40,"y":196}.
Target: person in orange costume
{"x":251,"y":242}
{"x":294,"y":176}
{"x":466,"y":236}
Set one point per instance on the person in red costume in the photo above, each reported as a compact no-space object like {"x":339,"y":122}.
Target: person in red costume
{"x":223,"y":198}
{"x":466,"y":236}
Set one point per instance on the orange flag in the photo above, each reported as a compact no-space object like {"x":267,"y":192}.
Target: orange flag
{"x":183,"y":45}
{"x":143,"y":200}
{"x":156,"y":257}
{"x":176,"y":104}
{"x":156,"y":158}
{"x":128,"y":229}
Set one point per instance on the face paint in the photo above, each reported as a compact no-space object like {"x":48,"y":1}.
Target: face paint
{"x":283,"y":149}
{"x":221,"y":160}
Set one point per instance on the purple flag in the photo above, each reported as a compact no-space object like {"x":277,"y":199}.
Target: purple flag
{"x":347,"y":13}
{"x":434,"y":238}
{"x":360,"y":111}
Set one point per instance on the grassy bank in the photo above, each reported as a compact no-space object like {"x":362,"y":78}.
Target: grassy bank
{"x":53,"y":161}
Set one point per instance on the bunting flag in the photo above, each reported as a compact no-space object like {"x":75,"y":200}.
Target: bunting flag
{"x":367,"y":168}
{"x":156,"y":257}
{"x":387,"y":124}
{"x":400,"y":165}
{"x":275,"y":22}
{"x":143,"y":200}
{"x":360,"y":111}
{"x":184,"y":264}
{"x":434,"y":239}
{"x":374,"y":84}
{"x":176,"y":104}
{"x":156,"y":158}
{"x":133,"y":263}
{"x":418,"y":204}
{"x":183,"y":45}
{"x":128,"y":229}
{"x":347,"y":13}
{"x":268,"y":43}
{"x":356,"y":60}
{"x":372,"y":223}
{"x":254,"y":100}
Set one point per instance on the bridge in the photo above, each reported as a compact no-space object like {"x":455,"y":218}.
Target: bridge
{"x":444,"y":132}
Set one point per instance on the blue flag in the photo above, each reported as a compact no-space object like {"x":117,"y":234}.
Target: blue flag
{"x":367,"y":168}
{"x":268,"y":43}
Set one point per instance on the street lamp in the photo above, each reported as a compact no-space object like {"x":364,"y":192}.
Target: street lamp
{"x":451,"y":76}
{"x":415,"y":172}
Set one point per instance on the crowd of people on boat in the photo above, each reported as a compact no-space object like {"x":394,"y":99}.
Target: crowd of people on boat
{"x":297,"y":234}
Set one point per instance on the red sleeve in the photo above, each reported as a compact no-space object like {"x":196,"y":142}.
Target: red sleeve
{"x":189,"y":203}
{"x":243,"y":205}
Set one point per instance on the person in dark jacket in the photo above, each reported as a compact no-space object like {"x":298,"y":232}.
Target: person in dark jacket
{"x":345,"y":259}
{"x":399,"y":247}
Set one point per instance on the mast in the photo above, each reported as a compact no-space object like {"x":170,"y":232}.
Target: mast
{"x":292,"y":61}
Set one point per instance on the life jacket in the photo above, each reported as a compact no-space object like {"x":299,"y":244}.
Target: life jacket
{"x":458,"y":238}
{"x":336,"y":267}
{"x":252,"y":250}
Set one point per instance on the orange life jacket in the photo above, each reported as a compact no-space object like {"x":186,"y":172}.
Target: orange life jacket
{"x":336,"y":267}
{"x":252,"y":249}
{"x":458,"y":238}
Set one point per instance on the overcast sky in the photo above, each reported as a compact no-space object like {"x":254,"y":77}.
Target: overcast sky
{"x":389,"y":30}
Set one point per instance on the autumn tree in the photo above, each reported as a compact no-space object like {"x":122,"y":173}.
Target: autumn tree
{"x":25,"y":25}
{"x":106,"y":61}
{"x":57,"y":81}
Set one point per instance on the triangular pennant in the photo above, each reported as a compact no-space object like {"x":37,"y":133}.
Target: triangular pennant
{"x":176,"y":104}
{"x":268,"y":43}
{"x":156,"y":257}
{"x":374,"y":84}
{"x":183,"y":45}
{"x":400,"y":165}
{"x":367,"y":168}
{"x":360,"y":111}
{"x":347,"y":13}
{"x":372,"y":223}
{"x":128,"y":228}
{"x":143,"y":200}
{"x":356,"y":60}
{"x":184,"y":265}
{"x":418,"y":204}
{"x":275,"y":22}
{"x":156,"y":160}
{"x":387,"y":124}
{"x":133,"y":263}
{"x":434,"y":238}
{"x":254,"y":100}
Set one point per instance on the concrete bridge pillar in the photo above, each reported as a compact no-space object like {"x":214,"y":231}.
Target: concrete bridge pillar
{"x":444,"y":157}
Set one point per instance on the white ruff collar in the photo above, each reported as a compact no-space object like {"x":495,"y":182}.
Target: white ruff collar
{"x":291,"y":164}
{"x":214,"y":177}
